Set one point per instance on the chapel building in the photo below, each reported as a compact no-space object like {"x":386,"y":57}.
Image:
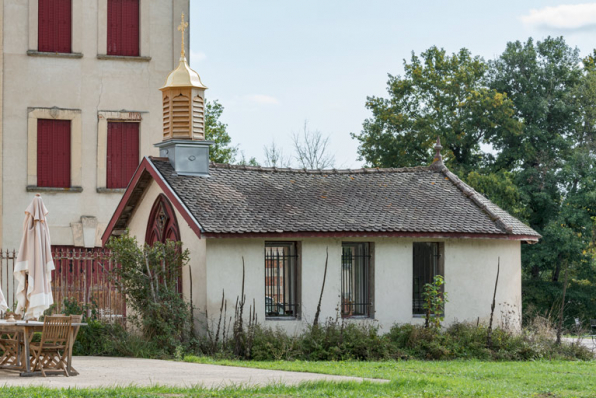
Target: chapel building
{"x":379,"y":235}
{"x":78,"y":108}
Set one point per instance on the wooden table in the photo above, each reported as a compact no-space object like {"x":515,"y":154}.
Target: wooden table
{"x":25,"y":330}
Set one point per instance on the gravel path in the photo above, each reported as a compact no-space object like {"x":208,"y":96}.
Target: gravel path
{"x":102,"y":372}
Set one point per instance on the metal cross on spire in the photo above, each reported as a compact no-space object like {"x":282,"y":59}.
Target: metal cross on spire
{"x":182,"y":27}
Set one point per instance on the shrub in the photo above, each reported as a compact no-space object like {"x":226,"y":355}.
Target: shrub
{"x":541,"y":297}
{"x":338,"y":340}
{"x":149,"y":276}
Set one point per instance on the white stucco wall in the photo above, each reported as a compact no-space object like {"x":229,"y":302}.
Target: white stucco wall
{"x":88,"y":84}
{"x":196,"y":247}
{"x":470,"y":270}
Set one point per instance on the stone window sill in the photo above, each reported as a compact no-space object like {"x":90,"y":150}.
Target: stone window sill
{"x":357,"y":317}
{"x":34,"y":53}
{"x":111,"y":190}
{"x":123,"y":58}
{"x":281,"y":318}
{"x":33,"y":188}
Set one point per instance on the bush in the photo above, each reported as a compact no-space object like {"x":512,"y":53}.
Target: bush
{"x":149,"y":276}
{"x":338,"y":340}
{"x":542,"y":297}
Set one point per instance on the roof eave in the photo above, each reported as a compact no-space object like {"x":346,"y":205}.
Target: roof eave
{"x":146,"y":166}
{"x":375,"y":234}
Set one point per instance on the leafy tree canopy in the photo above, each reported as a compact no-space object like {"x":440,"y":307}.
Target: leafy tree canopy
{"x":439,"y":95}
{"x":533,"y":109}
{"x":221,"y":151}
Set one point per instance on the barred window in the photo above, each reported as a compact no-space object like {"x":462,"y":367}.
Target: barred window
{"x":281,"y":277}
{"x":428,"y":262}
{"x":356,"y":280}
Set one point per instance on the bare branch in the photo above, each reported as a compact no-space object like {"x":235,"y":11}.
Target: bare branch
{"x":274,"y":156}
{"x":312,"y":149}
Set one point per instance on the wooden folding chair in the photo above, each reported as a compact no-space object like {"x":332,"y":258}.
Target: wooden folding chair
{"x":11,"y":347}
{"x":75,"y":319}
{"x":52,"y":352}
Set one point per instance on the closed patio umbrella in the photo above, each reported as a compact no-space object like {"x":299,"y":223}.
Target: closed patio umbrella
{"x":34,"y":263}
{"x":3,"y":305}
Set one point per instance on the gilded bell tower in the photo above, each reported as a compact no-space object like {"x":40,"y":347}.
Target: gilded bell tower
{"x":183,"y":141}
{"x":183,"y":100}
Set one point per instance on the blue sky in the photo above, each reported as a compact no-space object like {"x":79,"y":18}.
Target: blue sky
{"x":274,"y":64}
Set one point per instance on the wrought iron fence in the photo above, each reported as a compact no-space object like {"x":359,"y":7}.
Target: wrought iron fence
{"x":81,"y":275}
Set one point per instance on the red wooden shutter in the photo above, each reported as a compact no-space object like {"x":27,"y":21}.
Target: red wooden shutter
{"x":54,"y":26}
{"x":123,"y":27}
{"x":53,"y":153}
{"x":123,"y":153}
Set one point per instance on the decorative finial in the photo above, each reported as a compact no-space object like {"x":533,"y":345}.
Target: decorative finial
{"x":438,"y":160}
{"x":182,"y":27}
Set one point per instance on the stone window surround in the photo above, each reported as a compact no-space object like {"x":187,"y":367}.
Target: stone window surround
{"x":76,"y":26}
{"x":144,"y":27}
{"x":76,"y":130}
{"x":103,"y":117}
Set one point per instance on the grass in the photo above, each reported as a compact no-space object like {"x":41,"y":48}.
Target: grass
{"x":407,"y":379}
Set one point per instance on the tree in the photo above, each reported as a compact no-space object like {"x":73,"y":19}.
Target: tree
{"x":439,"y":95}
{"x":312,"y":149}
{"x":274,"y":156}
{"x":540,"y":80}
{"x":221,"y":151}
{"x":247,"y":162}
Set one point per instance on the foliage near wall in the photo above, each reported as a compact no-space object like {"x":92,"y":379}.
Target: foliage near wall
{"x":150,"y":278}
{"x":520,"y":129}
{"x":544,"y":298}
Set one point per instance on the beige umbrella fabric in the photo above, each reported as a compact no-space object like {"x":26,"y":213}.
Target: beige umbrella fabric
{"x":3,"y":305}
{"x":34,"y":263}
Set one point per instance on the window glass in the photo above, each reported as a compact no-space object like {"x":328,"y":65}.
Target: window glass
{"x":356,"y":295}
{"x":281,"y":276}
{"x":427,"y":263}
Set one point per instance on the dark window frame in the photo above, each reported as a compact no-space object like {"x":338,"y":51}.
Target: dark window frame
{"x":428,"y":260}
{"x":357,"y":280}
{"x":282,"y":275}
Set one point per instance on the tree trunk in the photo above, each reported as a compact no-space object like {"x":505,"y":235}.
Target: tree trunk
{"x":489,"y":333}
{"x":561,"y":312}
{"x":557,"y":270}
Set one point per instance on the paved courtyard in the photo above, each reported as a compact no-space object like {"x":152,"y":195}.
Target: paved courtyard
{"x":102,"y":372}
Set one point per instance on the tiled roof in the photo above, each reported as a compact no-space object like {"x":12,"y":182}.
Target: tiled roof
{"x":244,"y":199}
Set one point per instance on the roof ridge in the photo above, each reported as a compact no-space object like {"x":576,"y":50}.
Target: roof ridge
{"x":471,"y":193}
{"x":370,"y":170}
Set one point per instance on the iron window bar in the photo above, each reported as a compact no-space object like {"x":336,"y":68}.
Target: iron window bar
{"x":426,"y":266}
{"x":281,"y":275}
{"x":356,"y":297}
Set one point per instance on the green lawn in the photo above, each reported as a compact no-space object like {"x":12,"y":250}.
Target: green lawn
{"x":407,"y":379}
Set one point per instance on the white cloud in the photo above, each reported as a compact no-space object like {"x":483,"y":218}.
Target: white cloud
{"x":196,"y":57}
{"x":262,"y":99}
{"x":570,"y":16}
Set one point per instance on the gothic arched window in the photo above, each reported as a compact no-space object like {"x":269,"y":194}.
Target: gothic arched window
{"x":163,"y":226}
{"x":162,"y":223}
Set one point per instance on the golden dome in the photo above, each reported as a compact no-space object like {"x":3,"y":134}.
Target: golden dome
{"x":183,"y":76}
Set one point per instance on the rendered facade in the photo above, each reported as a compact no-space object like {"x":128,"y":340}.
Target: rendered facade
{"x":79,"y":76}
